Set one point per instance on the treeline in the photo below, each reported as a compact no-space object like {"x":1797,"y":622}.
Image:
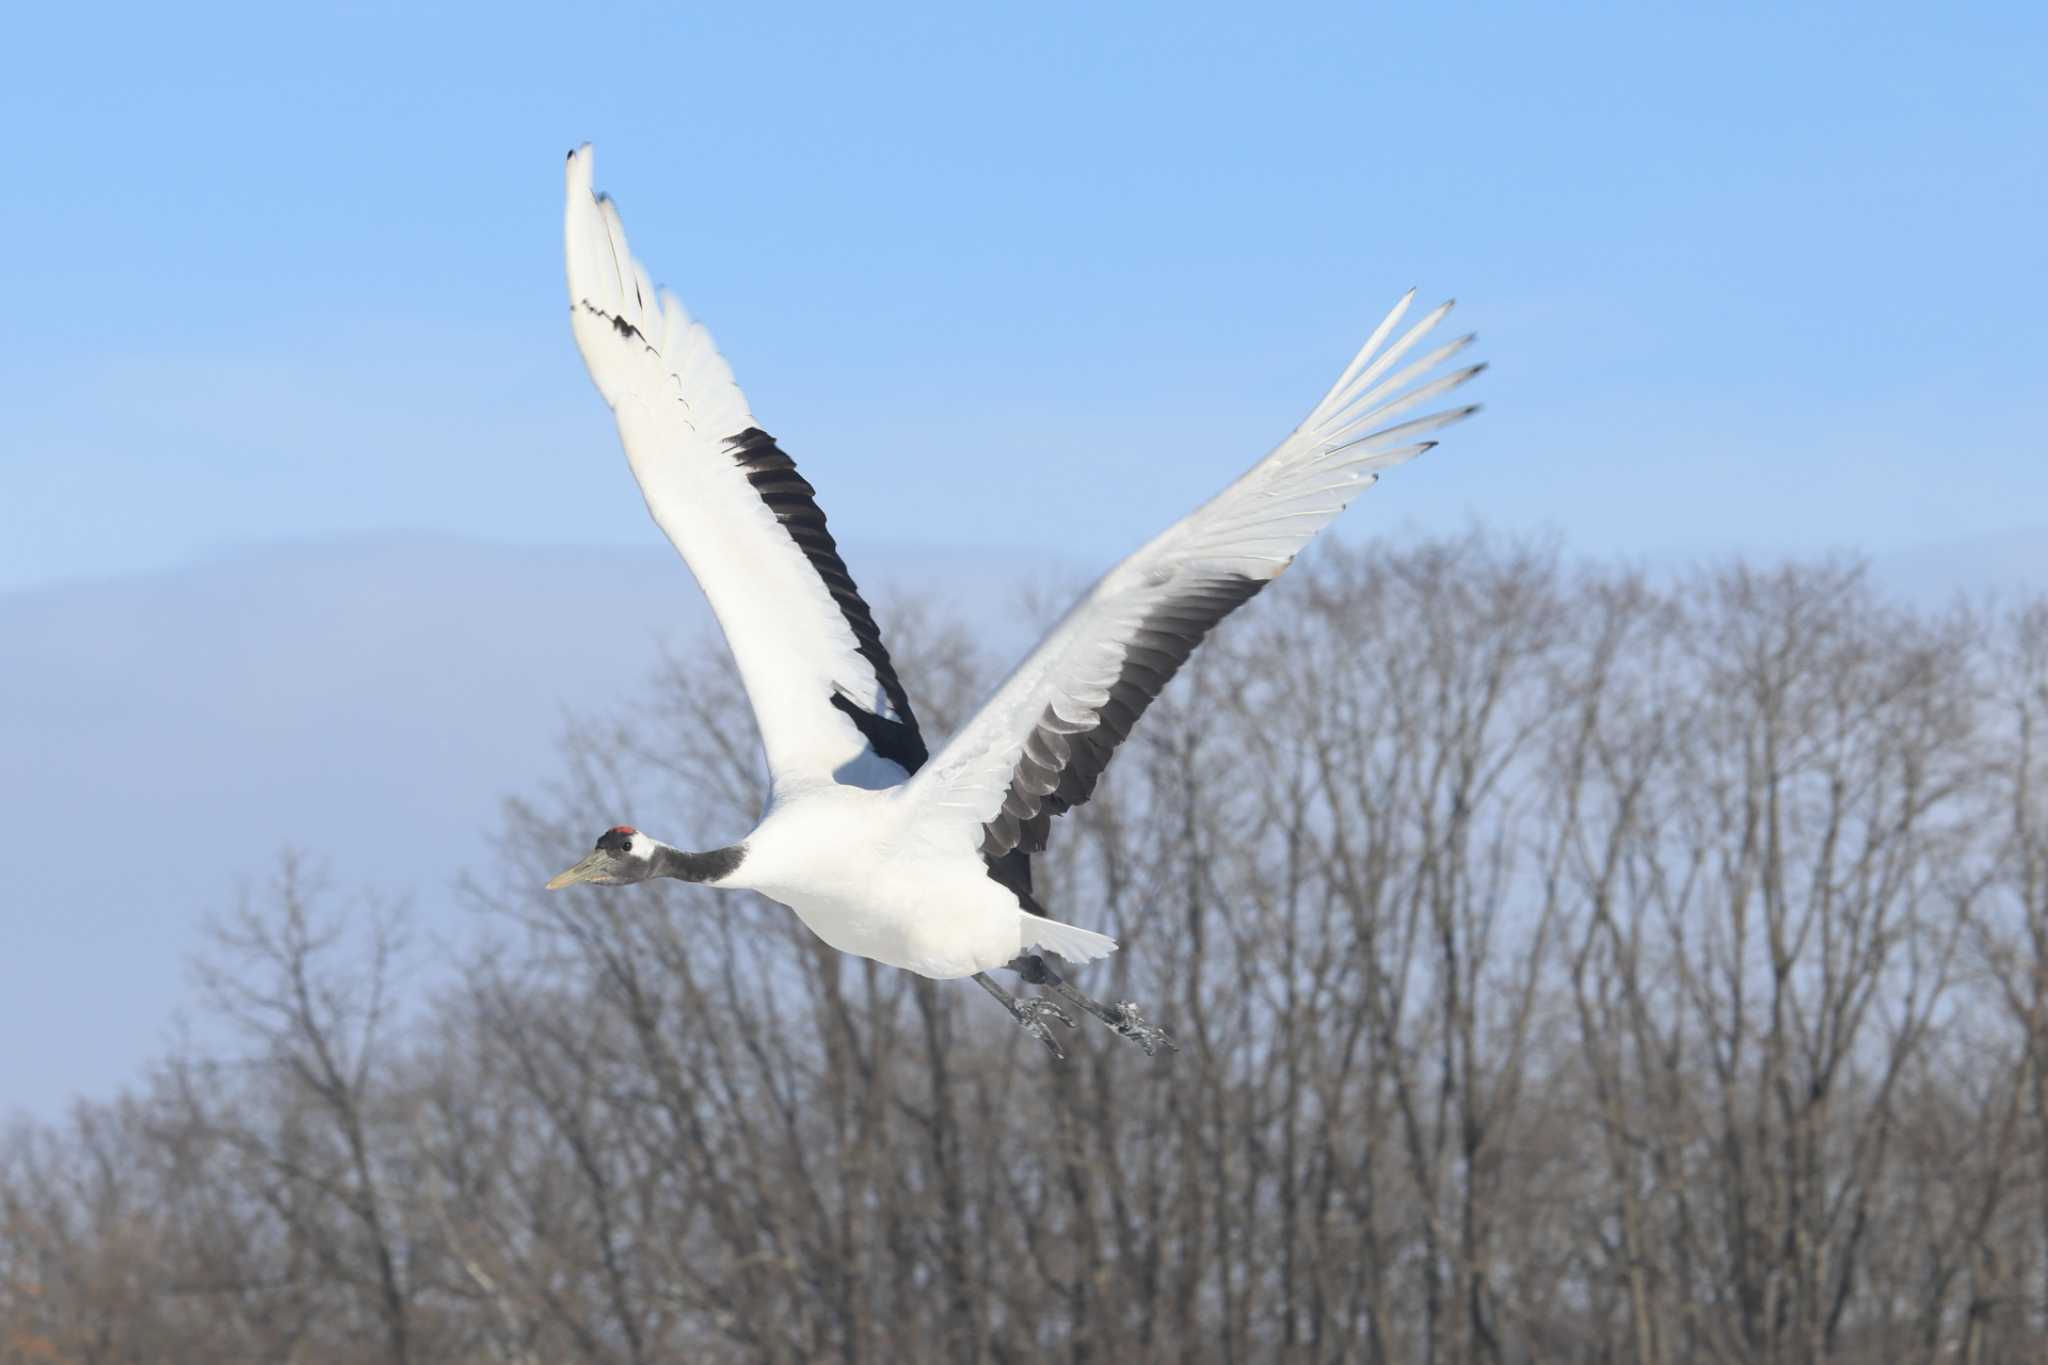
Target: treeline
{"x":1567,"y":967}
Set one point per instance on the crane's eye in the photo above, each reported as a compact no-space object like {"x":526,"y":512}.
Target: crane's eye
{"x":626,"y":847}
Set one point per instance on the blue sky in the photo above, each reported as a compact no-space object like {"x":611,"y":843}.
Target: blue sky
{"x":1033,"y":275}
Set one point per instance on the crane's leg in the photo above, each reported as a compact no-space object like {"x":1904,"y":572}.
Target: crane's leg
{"x":1030,"y":1013}
{"x":1122,"y":1016}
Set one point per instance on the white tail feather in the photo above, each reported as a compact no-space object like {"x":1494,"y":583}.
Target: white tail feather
{"x":1075,"y":945}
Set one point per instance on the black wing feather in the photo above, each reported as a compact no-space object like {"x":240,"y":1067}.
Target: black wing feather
{"x":794,"y":502}
{"x":1060,"y":764}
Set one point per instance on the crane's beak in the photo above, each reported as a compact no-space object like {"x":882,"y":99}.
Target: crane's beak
{"x":590,"y":869}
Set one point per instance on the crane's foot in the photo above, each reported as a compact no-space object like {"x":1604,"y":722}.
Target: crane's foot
{"x":1123,"y":1016}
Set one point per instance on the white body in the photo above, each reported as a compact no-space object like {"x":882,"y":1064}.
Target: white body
{"x":877,"y":862}
{"x":896,"y":901}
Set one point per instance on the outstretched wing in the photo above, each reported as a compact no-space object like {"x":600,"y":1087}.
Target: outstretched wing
{"x":1039,"y":745}
{"x":827,"y":698}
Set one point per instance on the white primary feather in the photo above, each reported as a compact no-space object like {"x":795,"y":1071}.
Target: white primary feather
{"x":1218,"y":555}
{"x":678,"y":408}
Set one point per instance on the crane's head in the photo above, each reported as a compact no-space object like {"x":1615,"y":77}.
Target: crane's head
{"x":623,"y":854}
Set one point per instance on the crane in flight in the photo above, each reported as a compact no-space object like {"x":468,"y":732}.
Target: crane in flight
{"x":883,"y":848}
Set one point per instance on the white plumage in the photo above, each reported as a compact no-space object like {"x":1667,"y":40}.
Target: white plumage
{"x":924,"y":865}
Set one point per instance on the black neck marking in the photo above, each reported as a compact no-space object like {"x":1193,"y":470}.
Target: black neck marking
{"x":714,"y":866}
{"x":790,"y":496}
{"x":1062,"y":760}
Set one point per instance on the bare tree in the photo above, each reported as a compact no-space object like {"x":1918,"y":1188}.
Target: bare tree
{"x":1568,"y":966}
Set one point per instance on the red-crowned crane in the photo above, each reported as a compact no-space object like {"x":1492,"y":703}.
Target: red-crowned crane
{"x":917,"y":860}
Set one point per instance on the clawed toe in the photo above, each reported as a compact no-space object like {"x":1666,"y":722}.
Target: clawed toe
{"x":1032,"y":1014}
{"x":1132,"y":1025}
{"x":1038,"y":1006}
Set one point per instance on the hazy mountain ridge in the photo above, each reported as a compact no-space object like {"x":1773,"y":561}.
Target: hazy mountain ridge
{"x":370,"y":700}
{"x":2014,"y":561}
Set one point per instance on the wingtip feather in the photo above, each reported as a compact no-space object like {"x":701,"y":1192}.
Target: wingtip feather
{"x":579,"y":169}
